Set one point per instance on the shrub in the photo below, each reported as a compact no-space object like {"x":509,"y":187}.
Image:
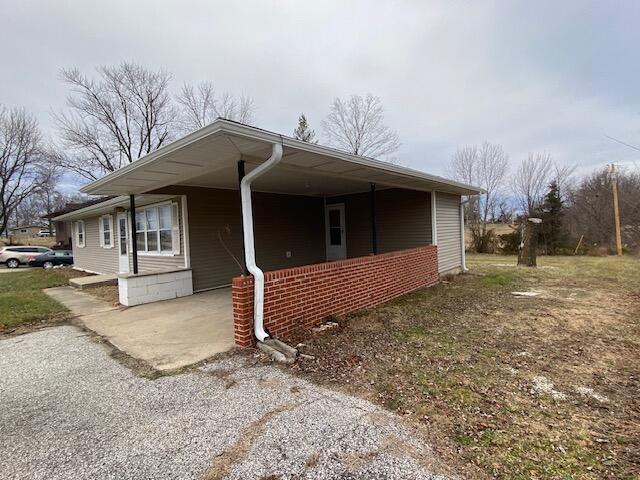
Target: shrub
{"x":510,"y":242}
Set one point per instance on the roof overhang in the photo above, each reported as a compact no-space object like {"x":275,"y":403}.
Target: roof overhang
{"x":108,"y":206}
{"x":209,"y":156}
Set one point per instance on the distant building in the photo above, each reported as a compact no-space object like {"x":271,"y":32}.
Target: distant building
{"x":26,"y":231}
{"x":62,"y":229}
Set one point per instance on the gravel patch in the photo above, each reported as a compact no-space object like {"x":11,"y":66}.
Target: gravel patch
{"x":70,"y":411}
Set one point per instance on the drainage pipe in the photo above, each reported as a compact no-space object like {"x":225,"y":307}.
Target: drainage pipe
{"x":249,"y":241}
{"x":463,"y":245}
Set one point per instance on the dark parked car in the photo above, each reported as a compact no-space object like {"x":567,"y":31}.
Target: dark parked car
{"x":53,"y":258}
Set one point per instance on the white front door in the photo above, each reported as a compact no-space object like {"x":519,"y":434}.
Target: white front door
{"x":336,"y":240}
{"x":123,"y":244}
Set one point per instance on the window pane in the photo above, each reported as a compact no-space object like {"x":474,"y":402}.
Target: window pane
{"x":105,"y":224}
{"x":152,"y":221}
{"x":335,"y":236}
{"x":165,"y":217}
{"x":140,"y":223}
{"x":152,"y":241}
{"x":140,"y":241}
{"x":123,"y":246}
{"x":165,"y":241}
{"x":334,"y":218}
{"x":107,"y":238}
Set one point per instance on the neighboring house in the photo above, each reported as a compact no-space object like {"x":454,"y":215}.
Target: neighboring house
{"x":63,"y":228}
{"x":321,"y":232}
{"x":26,"y":231}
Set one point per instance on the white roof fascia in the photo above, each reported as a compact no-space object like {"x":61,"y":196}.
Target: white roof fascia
{"x":233,"y":128}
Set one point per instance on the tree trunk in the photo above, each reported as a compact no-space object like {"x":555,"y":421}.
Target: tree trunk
{"x":529,"y":244}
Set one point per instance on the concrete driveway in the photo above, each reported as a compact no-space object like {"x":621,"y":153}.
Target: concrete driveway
{"x":167,"y":335}
{"x":70,"y":411}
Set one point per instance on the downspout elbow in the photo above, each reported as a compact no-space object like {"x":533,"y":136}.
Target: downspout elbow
{"x":249,"y":240}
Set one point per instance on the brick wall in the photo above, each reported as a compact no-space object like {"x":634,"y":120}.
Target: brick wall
{"x":304,"y":296}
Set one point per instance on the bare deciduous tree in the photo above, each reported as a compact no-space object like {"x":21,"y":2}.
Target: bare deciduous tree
{"x":200,"y":106}
{"x":356,"y":125}
{"x":533,"y":177}
{"x":531,"y":181}
{"x":591,"y":208}
{"x":24,"y":165}
{"x":115,"y":119}
{"x":485,"y":166}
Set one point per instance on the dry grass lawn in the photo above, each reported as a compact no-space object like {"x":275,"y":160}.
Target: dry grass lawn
{"x":24,"y":305}
{"x":506,"y":387}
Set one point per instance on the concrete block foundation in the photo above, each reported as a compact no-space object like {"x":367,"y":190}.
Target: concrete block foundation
{"x":148,"y":287}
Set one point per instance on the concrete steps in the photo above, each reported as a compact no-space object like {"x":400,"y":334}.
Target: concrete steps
{"x":94,"y":281}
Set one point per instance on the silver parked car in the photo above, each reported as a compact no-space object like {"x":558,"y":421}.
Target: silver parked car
{"x":15,"y":256}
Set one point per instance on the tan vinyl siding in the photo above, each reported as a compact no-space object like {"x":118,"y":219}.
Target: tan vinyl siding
{"x":448,"y":227}
{"x":149,"y":262}
{"x":403,"y":220}
{"x":93,"y":257}
{"x":288,"y":223}
{"x":281,"y":223}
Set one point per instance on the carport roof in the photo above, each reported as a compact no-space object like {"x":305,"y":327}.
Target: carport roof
{"x":209,"y":156}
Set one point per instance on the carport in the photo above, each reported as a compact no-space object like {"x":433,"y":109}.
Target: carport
{"x":251,"y":206}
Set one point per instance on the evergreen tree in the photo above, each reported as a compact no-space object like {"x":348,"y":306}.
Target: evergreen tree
{"x":303,"y":132}
{"x":552,"y":232}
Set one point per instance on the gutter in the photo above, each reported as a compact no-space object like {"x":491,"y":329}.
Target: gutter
{"x":249,"y":240}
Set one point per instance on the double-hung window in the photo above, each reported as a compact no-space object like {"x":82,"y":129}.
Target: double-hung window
{"x":157,"y":230}
{"x":106,"y":231}
{"x":80,"y":233}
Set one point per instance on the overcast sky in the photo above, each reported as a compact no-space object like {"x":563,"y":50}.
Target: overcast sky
{"x":533,"y":76}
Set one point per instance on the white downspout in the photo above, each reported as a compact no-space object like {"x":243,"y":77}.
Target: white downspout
{"x":249,"y":241}
{"x":463,"y":246}
{"x":434,"y":221}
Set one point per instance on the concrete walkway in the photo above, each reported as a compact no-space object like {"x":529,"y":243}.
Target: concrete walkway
{"x":167,"y":335}
{"x":70,"y":411}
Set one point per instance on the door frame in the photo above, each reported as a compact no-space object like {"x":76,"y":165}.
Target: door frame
{"x":343,"y":231}
{"x":121,"y":256}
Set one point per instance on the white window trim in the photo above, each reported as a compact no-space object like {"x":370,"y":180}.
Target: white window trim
{"x":101,"y":230}
{"x":172,"y":204}
{"x":84,"y":234}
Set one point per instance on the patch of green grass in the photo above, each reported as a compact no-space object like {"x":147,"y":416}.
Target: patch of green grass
{"x":501,"y":279}
{"x":22,"y":300}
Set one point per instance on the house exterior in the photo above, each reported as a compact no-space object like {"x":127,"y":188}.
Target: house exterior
{"x":298,"y":231}
{"x":63,"y":228}
{"x":26,"y":231}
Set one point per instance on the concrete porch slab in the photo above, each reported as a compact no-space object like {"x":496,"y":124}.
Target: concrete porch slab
{"x":94,"y":281}
{"x":167,"y":335}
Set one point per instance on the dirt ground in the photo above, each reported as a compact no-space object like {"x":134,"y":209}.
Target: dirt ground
{"x":505,"y":386}
{"x":108,"y":293}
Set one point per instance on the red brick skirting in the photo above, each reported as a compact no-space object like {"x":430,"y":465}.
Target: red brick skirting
{"x":304,"y":296}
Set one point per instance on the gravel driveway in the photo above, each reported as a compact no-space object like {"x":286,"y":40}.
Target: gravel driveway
{"x":69,"y":410}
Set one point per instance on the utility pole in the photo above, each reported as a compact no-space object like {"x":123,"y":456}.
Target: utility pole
{"x":616,"y":208}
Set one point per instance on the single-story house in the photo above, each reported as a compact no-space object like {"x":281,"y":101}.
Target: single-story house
{"x":26,"y":231}
{"x":298,"y":230}
{"x":63,"y":228}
